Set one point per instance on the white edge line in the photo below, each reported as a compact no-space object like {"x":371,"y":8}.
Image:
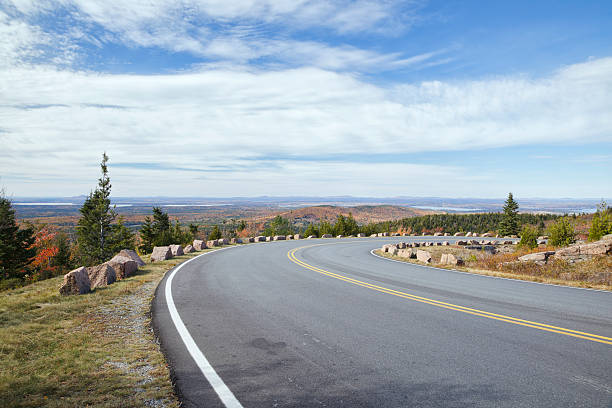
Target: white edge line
{"x":487,"y":276}
{"x":222,"y":390}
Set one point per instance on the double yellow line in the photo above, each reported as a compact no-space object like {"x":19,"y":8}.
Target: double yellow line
{"x":450,"y":306}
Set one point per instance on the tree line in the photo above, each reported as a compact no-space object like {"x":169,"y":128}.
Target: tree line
{"x":34,"y":252}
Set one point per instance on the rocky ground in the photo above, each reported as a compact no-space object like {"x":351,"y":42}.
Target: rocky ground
{"x":583,"y":264}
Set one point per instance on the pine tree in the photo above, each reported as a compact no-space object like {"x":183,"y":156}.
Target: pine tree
{"x":602,"y":222}
{"x":147,"y":236}
{"x":62,"y":258}
{"x":509,"y":224}
{"x":351,"y":225}
{"x":94,"y":229}
{"x":215,"y":234}
{"x":16,"y":245}
{"x":122,"y":237}
{"x":561,"y":233}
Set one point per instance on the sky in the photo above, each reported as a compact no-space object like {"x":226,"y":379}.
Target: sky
{"x":216,"y":98}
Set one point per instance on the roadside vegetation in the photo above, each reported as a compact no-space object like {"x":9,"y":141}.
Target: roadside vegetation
{"x":504,"y":264}
{"x":89,"y":350}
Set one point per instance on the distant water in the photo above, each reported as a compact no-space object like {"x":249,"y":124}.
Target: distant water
{"x":457,"y":209}
{"x":43,"y":204}
{"x":193,"y":205}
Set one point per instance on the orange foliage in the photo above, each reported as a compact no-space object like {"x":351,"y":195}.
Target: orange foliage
{"x":45,"y":251}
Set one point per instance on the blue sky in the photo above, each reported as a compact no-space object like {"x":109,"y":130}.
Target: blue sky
{"x":309,"y":97}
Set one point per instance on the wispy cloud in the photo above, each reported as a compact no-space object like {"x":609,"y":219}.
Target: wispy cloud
{"x":252,"y":31}
{"x":213,"y":118}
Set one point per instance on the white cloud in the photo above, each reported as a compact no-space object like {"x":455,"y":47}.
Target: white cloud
{"x":57,"y":122}
{"x":233,"y":31}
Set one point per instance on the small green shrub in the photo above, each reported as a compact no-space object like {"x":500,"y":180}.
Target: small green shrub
{"x":602,"y":222}
{"x":561,"y":233}
{"x":529,"y":237}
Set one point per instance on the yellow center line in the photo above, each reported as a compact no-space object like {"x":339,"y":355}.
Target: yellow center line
{"x":450,"y":306}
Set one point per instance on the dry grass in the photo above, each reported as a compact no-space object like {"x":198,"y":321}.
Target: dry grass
{"x":503,"y":265}
{"x":90,"y":350}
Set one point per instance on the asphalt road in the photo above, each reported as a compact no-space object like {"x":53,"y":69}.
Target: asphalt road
{"x":337,"y":326}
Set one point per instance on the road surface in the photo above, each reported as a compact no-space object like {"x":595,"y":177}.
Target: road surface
{"x":326,"y":323}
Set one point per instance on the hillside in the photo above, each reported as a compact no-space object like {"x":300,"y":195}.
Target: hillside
{"x":363,"y":214}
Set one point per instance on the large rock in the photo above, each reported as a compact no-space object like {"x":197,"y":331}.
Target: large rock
{"x":438,"y":234}
{"x":326,"y":236}
{"x":235,"y":241}
{"x":469,"y":234}
{"x":199,"y":245}
{"x":129,"y":253}
{"x":340,"y":236}
{"x":212,"y":243}
{"x":298,"y":236}
{"x":602,"y":247}
{"x":406,"y":253}
{"x":459,"y":234}
{"x":76,"y":282}
{"x":123,"y":266}
{"x":450,"y":259}
{"x":310,"y":237}
{"x":462,"y":242}
{"x":387,"y":247}
{"x":447,"y":234}
{"x":101,"y":275}
{"x":260,"y":238}
{"x":487,"y":235}
{"x":177,"y":250}
{"x":268,"y":239}
{"x":161,"y":253}
{"x":222,"y":241}
{"x":607,"y":237}
{"x":189,"y":249}
{"x":279,"y":238}
{"x":539,"y":258}
{"x":361,"y":235}
{"x":423,"y":256}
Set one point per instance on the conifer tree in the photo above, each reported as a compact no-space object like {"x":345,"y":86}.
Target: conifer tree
{"x":94,"y":230}
{"x":509,"y":224}
{"x":16,"y":245}
{"x":215,"y":234}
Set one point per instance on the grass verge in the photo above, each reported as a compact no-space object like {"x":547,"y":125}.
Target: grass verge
{"x":502,"y":266}
{"x":90,"y":350}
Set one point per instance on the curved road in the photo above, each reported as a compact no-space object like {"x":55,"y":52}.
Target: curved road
{"x":330,"y":324}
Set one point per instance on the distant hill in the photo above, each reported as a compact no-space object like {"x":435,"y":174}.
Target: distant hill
{"x":363,"y":214}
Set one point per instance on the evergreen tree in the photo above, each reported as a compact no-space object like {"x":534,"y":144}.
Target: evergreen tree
{"x":215,"y":233}
{"x":62,"y":258}
{"x":123,"y":238}
{"x":311,"y":230}
{"x":16,"y":250}
{"x":279,"y":226}
{"x":94,"y":229}
{"x":326,"y":228}
{"x":509,"y":224}
{"x":340,"y":226}
{"x":562,"y":233}
{"x":193,"y":230}
{"x":529,"y":237}
{"x":147,"y":236}
{"x":351,"y":225}
{"x":602,"y":222}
